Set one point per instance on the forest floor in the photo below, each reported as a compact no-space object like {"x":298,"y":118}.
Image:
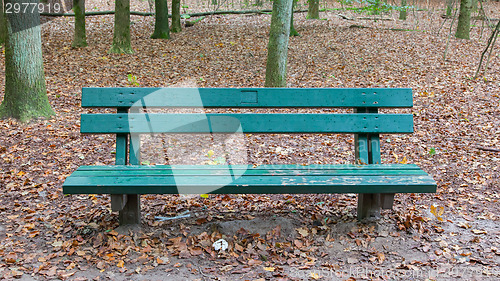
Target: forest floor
{"x":453,"y":234}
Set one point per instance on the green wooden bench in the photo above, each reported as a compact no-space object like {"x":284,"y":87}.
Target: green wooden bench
{"x":375,"y":183}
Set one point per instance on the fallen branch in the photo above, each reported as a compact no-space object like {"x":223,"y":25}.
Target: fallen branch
{"x":98,"y":13}
{"x":345,"y":17}
{"x":488,"y":149}
{"x":367,"y":18}
{"x":193,"y":22}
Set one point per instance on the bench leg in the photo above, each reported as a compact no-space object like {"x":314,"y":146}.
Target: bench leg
{"x":369,"y":205}
{"x":131,"y":212}
{"x":387,"y":200}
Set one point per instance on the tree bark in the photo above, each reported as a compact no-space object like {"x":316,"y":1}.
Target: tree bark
{"x":121,"y":36}
{"x":25,"y":92}
{"x":293,"y":32}
{"x":162,"y":30}
{"x":449,"y":7}
{"x":176,"y":16}
{"x":313,"y":11}
{"x":277,"y":49}
{"x":463,"y":27}
{"x":80,"y":37}
{"x":3,"y":24}
{"x":402,"y":13}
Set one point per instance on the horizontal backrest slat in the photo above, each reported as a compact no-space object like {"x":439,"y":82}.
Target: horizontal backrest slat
{"x":246,"y":97}
{"x":246,"y":123}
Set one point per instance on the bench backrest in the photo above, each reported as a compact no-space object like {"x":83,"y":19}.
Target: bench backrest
{"x":366,"y":123}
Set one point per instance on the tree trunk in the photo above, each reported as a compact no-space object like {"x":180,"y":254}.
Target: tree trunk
{"x":277,"y":49}
{"x":25,"y":93}
{"x":474,"y":6}
{"x":3,"y":24}
{"x":463,"y":27}
{"x":402,"y":13}
{"x":161,"y":20}
{"x":449,"y":7}
{"x":313,"y":11}
{"x":176,"y":16}
{"x":293,"y":32}
{"x":80,"y":38}
{"x":121,"y":36}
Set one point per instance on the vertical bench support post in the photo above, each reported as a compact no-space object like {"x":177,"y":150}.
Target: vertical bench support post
{"x":128,"y":205}
{"x":367,"y":151}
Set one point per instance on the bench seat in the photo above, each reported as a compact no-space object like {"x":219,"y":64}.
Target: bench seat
{"x":248,"y":179}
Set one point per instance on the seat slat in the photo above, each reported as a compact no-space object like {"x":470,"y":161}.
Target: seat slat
{"x":248,"y":184}
{"x":167,"y":171}
{"x":247,"y":97}
{"x":257,"y":167}
{"x":246,"y":123}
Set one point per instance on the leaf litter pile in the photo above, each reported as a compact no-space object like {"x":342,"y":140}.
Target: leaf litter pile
{"x":453,"y":234}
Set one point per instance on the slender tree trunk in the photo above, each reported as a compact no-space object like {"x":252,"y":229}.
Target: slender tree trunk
{"x":463,"y":27}
{"x":474,"y":5}
{"x":293,"y":32}
{"x":161,"y":20}
{"x":176,"y":16}
{"x":25,"y":92}
{"x":277,"y":49}
{"x":402,"y":13}
{"x":121,"y":36}
{"x":313,"y":10}
{"x":3,"y":24}
{"x":80,"y":38}
{"x":449,"y":7}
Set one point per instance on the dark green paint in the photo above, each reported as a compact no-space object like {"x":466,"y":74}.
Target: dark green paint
{"x":374,"y":182}
{"x":246,"y":123}
{"x":259,"y":167}
{"x":249,"y":184}
{"x":143,"y":171}
{"x":247,"y":97}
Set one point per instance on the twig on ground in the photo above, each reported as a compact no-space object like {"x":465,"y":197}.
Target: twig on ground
{"x":488,"y":149}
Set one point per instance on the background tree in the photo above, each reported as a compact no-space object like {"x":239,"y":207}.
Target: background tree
{"x":449,"y":7}
{"x":277,"y":49}
{"x":293,"y":32}
{"x":80,"y":37}
{"x":402,"y":13}
{"x":463,"y":27}
{"x":313,"y":10}
{"x":161,"y":20}
{"x":3,"y":24}
{"x":121,"y":35}
{"x":176,"y":16}
{"x":25,"y":92}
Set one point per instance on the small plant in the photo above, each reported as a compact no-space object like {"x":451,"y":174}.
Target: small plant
{"x":214,"y":161}
{"x":132,"y":80}
{"x":432,"y":151}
